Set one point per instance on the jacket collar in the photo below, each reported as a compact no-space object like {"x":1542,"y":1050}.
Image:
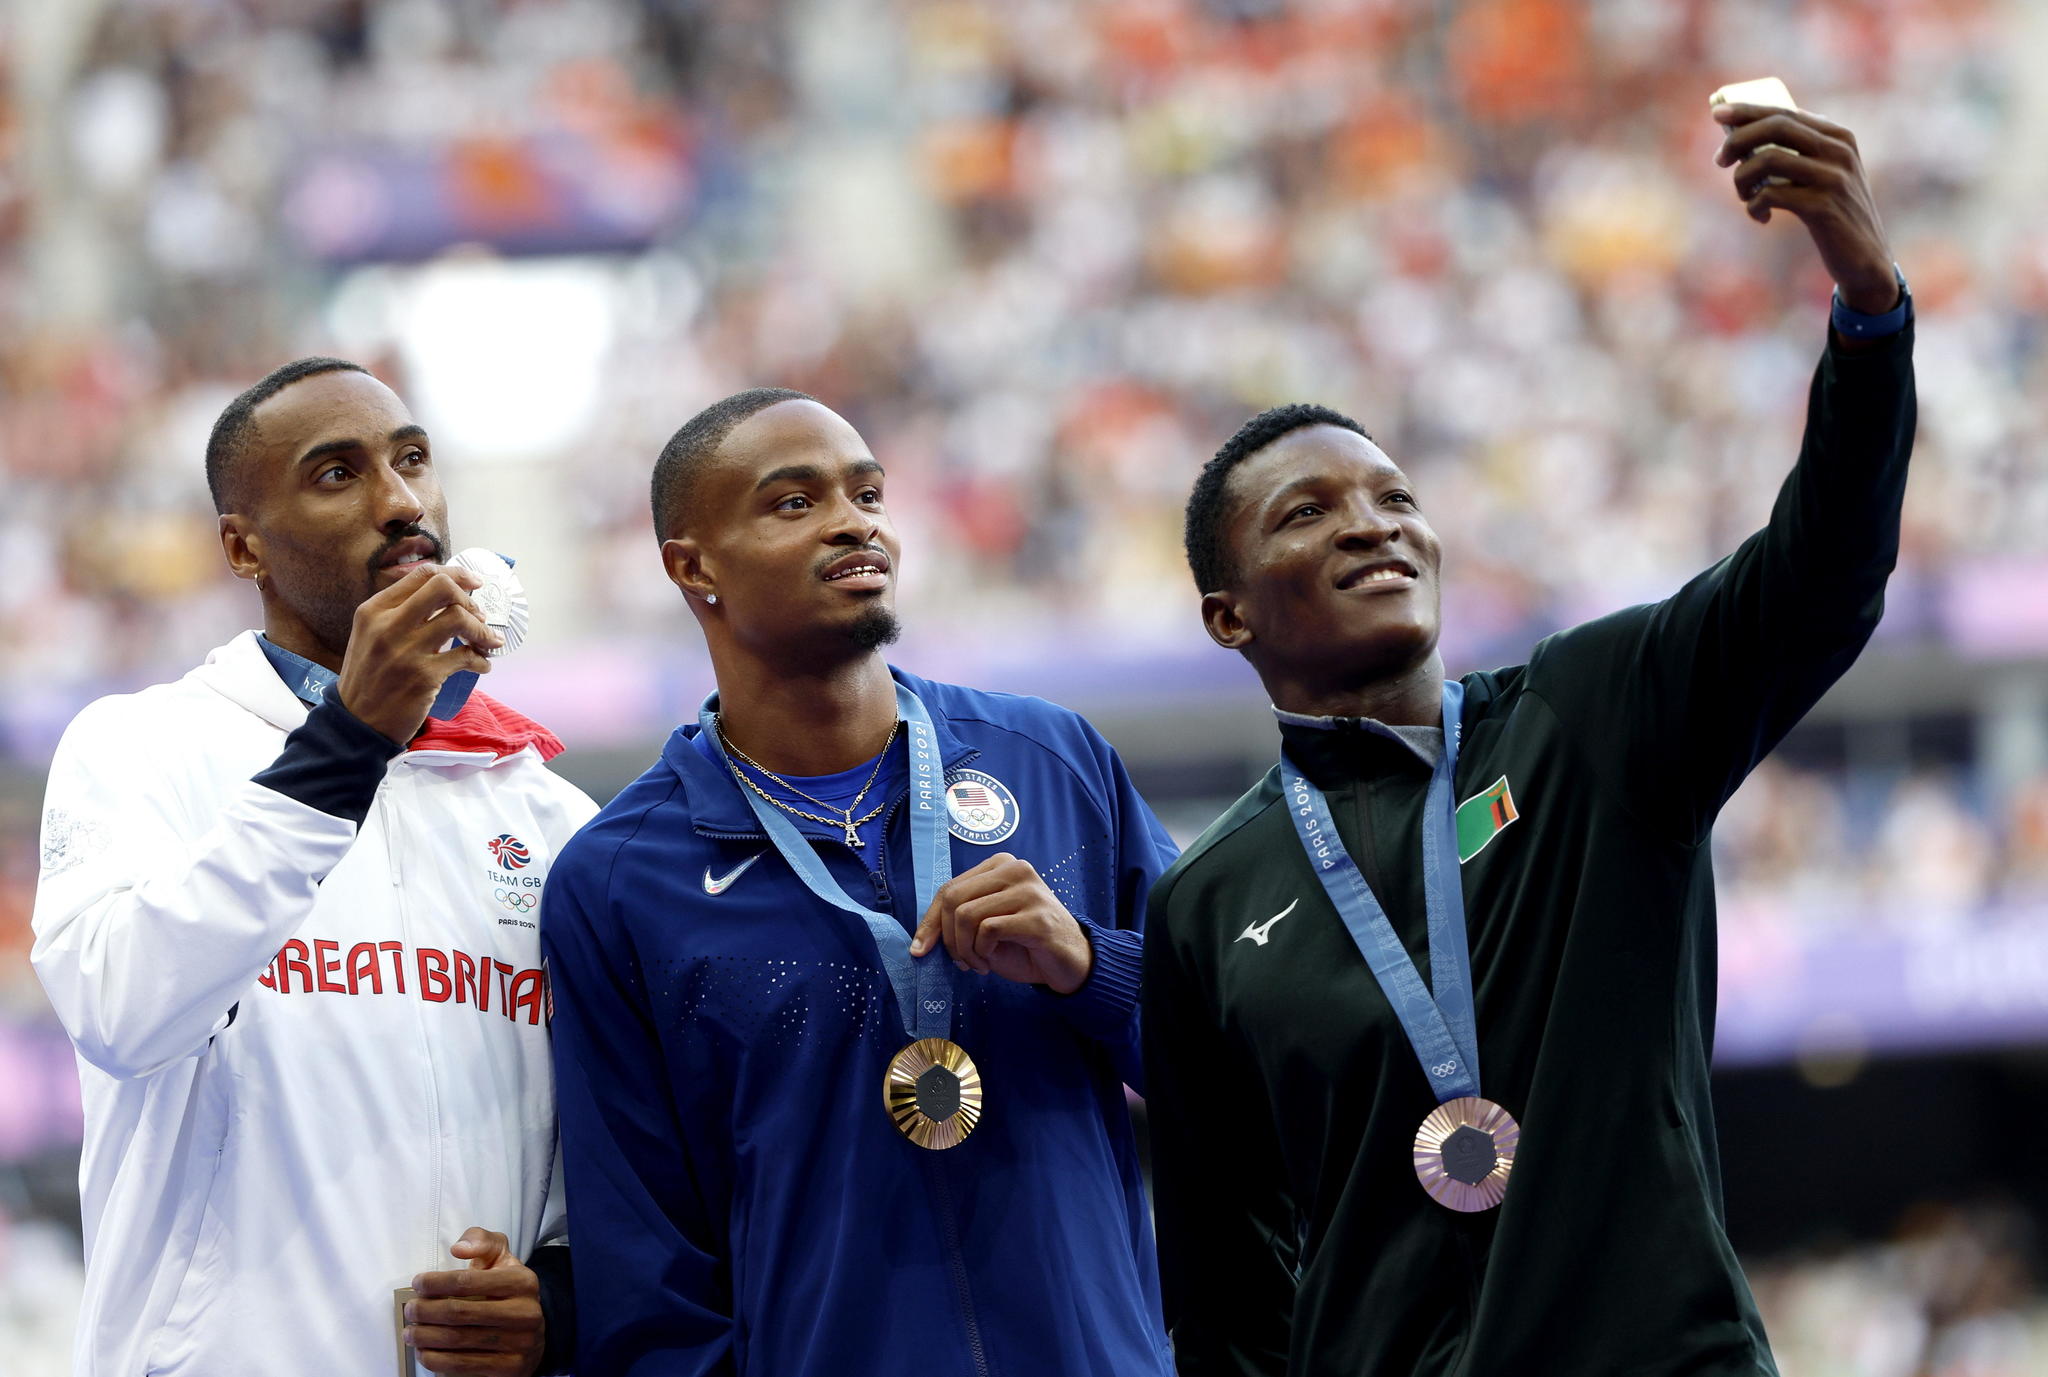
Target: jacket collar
{"x":240,"y":672}
{"x":718,"y":808}
{"x":1336,"y":750}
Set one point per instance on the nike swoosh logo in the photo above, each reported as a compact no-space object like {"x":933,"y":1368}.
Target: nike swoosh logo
{"x":720,"y":885}
{"x":1259,"y":931}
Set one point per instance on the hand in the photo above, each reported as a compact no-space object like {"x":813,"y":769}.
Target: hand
{"x":395,"y":664}
{"x":1818,"y":176}
{"x":1000,"y":918}
{"x":485,"y":1319}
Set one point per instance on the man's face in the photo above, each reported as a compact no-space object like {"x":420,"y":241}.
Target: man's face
{"x":787,"y":526}
{"x":341,"y":498}
{"x":1335,"y":568}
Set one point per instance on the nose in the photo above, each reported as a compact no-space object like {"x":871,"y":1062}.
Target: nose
{"x":396,"y":502}
{"x":852,"y":524}
{"x":1366,"y":527}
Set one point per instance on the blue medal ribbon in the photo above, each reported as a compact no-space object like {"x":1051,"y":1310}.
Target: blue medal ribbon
{"x":308,"y":682}
{"x":924,"y":985}
{"x":1440,"y":1023}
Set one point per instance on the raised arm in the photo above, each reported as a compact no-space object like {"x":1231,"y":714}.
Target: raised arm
{"x":1680,"y":699}
{"x":160,"y":902}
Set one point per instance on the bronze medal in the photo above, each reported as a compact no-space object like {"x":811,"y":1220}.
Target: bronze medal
{"x":933,"y":1093}
{"x":1464,"y":1152}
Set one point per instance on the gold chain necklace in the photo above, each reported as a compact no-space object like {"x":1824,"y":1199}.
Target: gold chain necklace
{"x":847,"y":820}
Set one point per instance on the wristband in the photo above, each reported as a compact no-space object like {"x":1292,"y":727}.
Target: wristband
{"x":1857,"y":325}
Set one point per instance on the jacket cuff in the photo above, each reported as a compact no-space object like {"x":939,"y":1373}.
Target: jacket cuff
{"x":332,"y":762}
{"x":557,"y":1308}
{"x":1108,"y":999}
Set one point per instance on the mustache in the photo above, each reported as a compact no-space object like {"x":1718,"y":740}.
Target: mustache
{"x":413,"y":532}
{"x":869,"y":547}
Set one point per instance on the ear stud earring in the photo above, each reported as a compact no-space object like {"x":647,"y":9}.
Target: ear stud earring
{"x":711,"y":597}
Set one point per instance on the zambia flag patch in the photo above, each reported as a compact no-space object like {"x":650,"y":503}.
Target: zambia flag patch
{"x":1481,"y":818}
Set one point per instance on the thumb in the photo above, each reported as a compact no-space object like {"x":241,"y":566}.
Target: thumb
{"x":485,"y":1248}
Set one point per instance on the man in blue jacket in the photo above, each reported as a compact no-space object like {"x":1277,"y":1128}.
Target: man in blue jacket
{"x":846,"y":984}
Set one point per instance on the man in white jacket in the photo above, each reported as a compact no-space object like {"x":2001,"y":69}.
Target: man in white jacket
{"x":292,"y":936}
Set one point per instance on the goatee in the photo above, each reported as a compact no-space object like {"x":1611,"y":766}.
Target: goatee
{"x":875,"y":628}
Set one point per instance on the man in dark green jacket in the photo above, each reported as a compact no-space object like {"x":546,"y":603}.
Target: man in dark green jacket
{"x":1419,"y":1140}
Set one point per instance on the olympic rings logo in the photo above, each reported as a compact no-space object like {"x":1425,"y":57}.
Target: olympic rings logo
{"x":935,"y":1006}
{"x":518,"y":900}
{"x":1443,"y":1068}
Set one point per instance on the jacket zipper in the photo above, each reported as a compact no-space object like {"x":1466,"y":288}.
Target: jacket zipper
{"x":942,"y":1190}
{"x":419,"y":1023}
{"x":956,"y":1262}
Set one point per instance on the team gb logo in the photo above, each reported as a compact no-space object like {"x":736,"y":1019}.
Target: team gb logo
{"x":510,"y":852}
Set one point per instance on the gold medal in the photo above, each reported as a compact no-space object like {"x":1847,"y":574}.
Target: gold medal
{"x":933,"y":1093}
{"x":1464,"y":1152}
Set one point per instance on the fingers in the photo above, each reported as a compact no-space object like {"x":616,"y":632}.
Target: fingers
{"x":458,"y":657}
{"x":1804,"y":202}
{"x":471,"y":1338}
{"x":968,"y":884}
{"x":507,"y":1313}
{"x":473,"y":1364}
{"x":1794,"y":129}
{"x":443,"y":601}
{"x":1788,"y":130}
{"x":1779,"y":166}
{"x":483,"y":1247}
{"x":472,"y":1283}
{"x":928,"y":926}
{"x":991,"y":932}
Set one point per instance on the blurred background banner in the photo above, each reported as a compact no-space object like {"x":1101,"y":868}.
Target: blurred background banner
{"x":1047,"y":255}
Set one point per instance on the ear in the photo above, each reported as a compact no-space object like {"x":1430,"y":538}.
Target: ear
{"x":1224,"y":621}
{"x":242,"y":546}
{"x":683,"y":559}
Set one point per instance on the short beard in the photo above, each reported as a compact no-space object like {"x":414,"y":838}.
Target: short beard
{"x":874,"y":629}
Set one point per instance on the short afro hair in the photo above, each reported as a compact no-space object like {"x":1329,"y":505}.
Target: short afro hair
{"x":683,"y":457}
{"x":1207,"y":559}
{"x":231,"y":430}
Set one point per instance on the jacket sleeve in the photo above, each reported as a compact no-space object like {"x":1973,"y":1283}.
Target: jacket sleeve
{"x":652,"y":1277}
{"x":1227,"y":1238}
{"x":157,"y":906}
{"x":1105,"y":1008}
{"x":1677,"y":701}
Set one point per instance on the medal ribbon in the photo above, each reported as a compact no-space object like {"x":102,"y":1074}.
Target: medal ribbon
{"x":308,"y":682}
{"x":1440,"y":1023}
{"x":923,"y":986}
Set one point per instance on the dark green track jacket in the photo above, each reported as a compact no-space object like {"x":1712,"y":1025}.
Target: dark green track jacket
{"x":1284,"y":1097}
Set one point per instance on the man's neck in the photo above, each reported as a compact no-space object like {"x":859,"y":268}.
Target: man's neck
{"x":287,"y":632}
{"x":816,"y":722}
{"x":1410,"y":698}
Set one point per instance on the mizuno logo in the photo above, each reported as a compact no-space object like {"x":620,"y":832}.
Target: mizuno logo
{"x":724,"y":882}
{"x":1258,"y":931}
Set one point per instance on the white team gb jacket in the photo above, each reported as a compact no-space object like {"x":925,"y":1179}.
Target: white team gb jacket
{"x":310,"y":1057}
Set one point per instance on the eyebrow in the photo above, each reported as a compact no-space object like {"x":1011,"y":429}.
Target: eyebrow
{"x":812,"y":473}
{"x":322,"y":451}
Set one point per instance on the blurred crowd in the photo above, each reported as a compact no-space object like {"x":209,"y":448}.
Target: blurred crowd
{"x":1915,"y":849}
{"x":1046,"y":254}
{"x":1955,"y":1292}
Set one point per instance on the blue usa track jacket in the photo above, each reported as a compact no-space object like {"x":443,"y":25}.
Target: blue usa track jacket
{"x":743,"y":1203}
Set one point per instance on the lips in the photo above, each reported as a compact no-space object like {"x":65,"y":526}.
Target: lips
{"x":409,"y":552}
{"x":1379,"y":572}
{"x":858,"y":569}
